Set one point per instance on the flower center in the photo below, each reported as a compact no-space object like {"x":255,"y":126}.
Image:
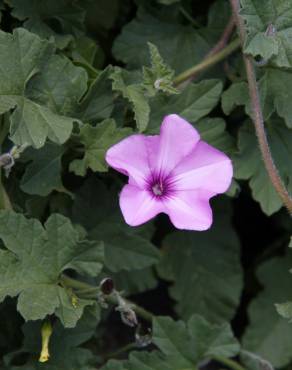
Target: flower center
{"x":160,"y":186}
{"x":157,"y":189}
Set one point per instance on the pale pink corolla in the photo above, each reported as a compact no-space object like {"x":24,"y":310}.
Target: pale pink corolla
{"x":174,"y":173}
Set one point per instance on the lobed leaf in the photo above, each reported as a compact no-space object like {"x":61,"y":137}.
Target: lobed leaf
{"x":96,"y":141}
{"x":34,"y":260}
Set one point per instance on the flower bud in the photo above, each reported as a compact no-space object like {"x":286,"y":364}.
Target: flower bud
{"x":107,"y":286}
{"x":129,"y":317}
{"x":143,"y":336}
{"x":46,"y":332}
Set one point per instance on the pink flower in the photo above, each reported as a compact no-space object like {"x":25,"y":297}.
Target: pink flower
{"x":174,"y":173}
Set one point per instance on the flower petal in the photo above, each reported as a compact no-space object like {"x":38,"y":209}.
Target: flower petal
{"x":130,"y":157}
{"x":205,"y":168}
{"x":138,"y":206}
{"x":190,"y":210}
{"x":176,"y":140}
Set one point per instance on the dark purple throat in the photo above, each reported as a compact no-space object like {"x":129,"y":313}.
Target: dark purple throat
{"x":160,"y":186}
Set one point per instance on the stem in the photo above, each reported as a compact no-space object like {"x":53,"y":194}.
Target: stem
{"x":224,"y":38}
{"x":128,"y":347}
{"x":4,"y":199}
{"x":79,"y":285}
{"x":207,"y":63}
{"x":258,"y":116}
{"x":140,"y":311}
{"x":228,"y":362}
{"x":188,"y":17}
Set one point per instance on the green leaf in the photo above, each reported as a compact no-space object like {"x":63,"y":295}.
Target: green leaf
{"x":135,"y":94}
{"x":195,"y":341}
{"x":96,"y":141}
{"x":195,"y":102}
{"x":135,"y":281}
{"x":182,"y":346}
{"x":275,"y":95}
{"x":269,"y":29}
{"x":60,"y":86}
{"x":180,"y":46}
{"x":268,"y":334}
{"x":200,"y":284}
{"x":34,"y":260}
{"x":249,"y":164}
{"x":254,"y":362}
{"x":43,"y":174}
{"x":213,"y":131}
{"x":124,"y":248}
{"x":160,"y":76}
{"x":88,"y":54}
{"x":94,"y":203}
{"x":97,"y":104}
{"x":39,"y":16}
{"x":31,"y":123}
{"x":237,"y":94}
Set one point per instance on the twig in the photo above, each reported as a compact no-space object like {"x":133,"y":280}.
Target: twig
{"x":258,"y":115}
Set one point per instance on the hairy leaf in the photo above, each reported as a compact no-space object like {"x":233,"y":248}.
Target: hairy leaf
{"x":135,"y":94}
{"x":213,"y":131}
{"x":195,"y":102}
{"x":31,"y":122}
{"x":97,"y":104}
{"x":269,"y":29}
{"x":96,"y":141}
{"x":249,"y":164}
{"x":158,"y":77}
{"x":275,"y":95}
{"x":43,"y":174}
{"x":35,"y":258}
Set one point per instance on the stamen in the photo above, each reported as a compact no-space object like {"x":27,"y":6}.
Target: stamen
{"x":160,"y":186}
{"x":157,"y":189}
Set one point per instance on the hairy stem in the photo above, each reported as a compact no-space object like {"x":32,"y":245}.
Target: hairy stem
{"x":207,"y":63}
{"x":258,"y":116}
{"x":4,"y":129}
{"x":79,"y":286}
